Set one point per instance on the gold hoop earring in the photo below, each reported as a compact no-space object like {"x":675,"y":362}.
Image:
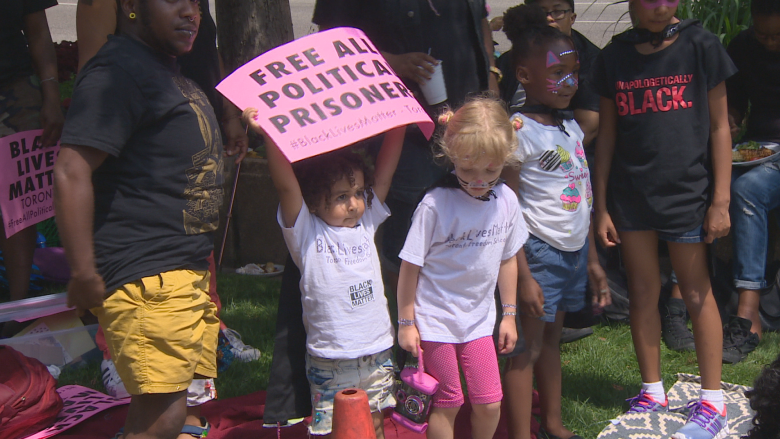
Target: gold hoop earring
{"x":132,"y":15}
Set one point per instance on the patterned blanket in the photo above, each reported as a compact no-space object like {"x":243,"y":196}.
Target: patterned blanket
{"x":663,"y":425}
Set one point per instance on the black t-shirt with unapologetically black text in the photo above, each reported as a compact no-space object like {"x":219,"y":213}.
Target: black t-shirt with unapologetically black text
{"x":757,"y":82}
{"x":661,"y":169}
{"x":14,"y":55}
{"x":158,"y":193}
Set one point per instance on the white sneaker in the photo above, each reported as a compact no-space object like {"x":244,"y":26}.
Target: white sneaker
{"x":114,"y":385}
{"x":241,"y":351}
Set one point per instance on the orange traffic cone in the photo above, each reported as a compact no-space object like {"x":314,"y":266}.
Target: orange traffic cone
{"x":352,"y":416}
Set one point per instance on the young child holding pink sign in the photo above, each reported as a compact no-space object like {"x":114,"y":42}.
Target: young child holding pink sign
{"x":330,"y":207}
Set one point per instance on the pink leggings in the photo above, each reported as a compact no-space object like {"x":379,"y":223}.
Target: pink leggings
{"x":480,"y":367}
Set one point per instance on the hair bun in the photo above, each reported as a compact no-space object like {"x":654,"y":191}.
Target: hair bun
{"x":445,"y":117}
{"x":519,"y":19}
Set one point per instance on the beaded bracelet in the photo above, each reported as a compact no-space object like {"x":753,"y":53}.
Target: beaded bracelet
{"x":509,"y":313}
{"x":49,"y":79}
{"x":406,"y":322}
{"x":507,"y":305}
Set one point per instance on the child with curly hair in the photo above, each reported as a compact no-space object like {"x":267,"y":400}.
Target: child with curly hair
{"x":330,"y":207}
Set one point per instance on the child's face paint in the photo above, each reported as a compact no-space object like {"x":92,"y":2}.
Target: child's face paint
{"x":477,"y":177}
{"x":551,"y":84}
{"x":652,"y":4}
{"x":552,"y":59}
{"x":653,"y":15}
{"x":570,"y":80}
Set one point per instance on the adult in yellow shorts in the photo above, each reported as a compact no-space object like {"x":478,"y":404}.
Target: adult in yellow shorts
{"x":137,"y":192}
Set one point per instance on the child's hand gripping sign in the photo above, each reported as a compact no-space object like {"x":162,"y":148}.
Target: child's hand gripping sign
{"x":324,"y":91}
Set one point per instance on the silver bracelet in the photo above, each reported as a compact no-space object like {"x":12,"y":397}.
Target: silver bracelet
{"x":509,"y":313}
{"x":48,"y":79}
{"x":406,"y":322}
{"x":507,"y":305}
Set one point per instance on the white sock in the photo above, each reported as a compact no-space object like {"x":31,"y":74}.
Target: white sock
{"x":714,"y":397}
{"x":656,"y":390}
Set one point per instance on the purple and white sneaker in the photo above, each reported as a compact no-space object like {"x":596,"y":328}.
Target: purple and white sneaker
{"x":644,"y":403}
{"x":704,"y":422}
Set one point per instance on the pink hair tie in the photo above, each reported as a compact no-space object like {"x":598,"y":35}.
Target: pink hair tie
{"x":445,"y":117}
{"x":517,"y":123}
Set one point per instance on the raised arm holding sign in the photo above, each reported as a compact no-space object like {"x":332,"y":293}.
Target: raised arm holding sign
{"x":329,"y":213}
{"x":322,"y":92}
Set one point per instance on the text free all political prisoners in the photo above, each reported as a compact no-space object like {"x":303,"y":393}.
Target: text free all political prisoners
{"x":337,"y":76}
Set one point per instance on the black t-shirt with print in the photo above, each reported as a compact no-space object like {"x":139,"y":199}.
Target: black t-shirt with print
{"x":757,"y":82}
{"x":449,"y":29}
{"x":14,"y":56}
{"x":158,"y":193}
{"x":449,"y":26}
{"x":661,"y":169}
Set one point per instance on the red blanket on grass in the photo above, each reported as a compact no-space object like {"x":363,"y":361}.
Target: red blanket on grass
{"x":242,"y":417}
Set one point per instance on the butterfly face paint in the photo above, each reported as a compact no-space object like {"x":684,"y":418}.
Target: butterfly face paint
{"x":569,"y":80}
{"x":652,"y":4}
{"x":552,"y":59}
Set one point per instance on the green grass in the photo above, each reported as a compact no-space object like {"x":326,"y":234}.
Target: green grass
{"x":599,"y":372}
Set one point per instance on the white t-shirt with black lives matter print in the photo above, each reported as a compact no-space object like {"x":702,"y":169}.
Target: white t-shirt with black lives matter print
{"x":459,"y":242}
{"x":344,"y":306}
{"x":555,"y":189}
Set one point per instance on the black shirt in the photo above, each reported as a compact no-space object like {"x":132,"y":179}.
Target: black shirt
{"x":402,"y":26}
{"x":158,"y":193}
{"x":14,"y":56}
{"x":449,"y":25}
{"x":661,"y":169}
{"x":757,"y":82}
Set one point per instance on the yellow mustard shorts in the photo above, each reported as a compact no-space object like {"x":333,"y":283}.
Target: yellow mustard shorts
{"x":161,"y":330}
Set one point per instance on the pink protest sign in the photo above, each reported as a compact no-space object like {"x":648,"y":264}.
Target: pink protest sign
{"x":323,"y":92}
{"x":79,"y":404}
{"x":26,"y":179}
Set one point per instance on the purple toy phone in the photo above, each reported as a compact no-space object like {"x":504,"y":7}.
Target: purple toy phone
{"x":413,"y":397}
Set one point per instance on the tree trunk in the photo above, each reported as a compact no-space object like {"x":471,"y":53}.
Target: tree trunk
{"x":247,"y":28}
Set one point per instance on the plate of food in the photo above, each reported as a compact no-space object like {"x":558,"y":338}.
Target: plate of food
{"x":752,"y":153}
{"x":263,"y":270}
